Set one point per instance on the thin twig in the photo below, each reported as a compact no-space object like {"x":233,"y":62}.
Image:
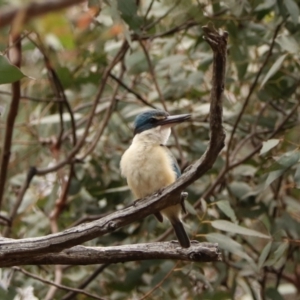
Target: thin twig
{"x":87,"y":281}
{"x":81,"y":142}
{"x":130,"y":90}
{"x":59,"y":91}
{"x":162,"y":99}
{"x":33,"y":98}
{"x":16,"y":51}
{"x":251,"y":90}
{"x":30,"y":174}
{"x":33,"y":10}
{"x":183,"y":26}
{"x":160,"y":283}
{"x":106,"y":118}
{"x":149,"y":26}
{"x":60,"y":286}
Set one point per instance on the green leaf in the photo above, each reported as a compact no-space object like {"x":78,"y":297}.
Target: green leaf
{"x":264,"y":5}
{"x":9,"y":73}
{"x":225,"y":207}
{"x":268,"y":145}
{"x":239,"y":189}
{"x":293,"y":10}
{"x":244,"y":170}
{"x":286,"y":161}
{"x":273,"y":294}
{"x":288,"y":43}
{"x":128,"y":10}
{"x":227,"y":243}
{"x":234,"y":228}
{"x":264,"y":254}
{"x":276,"y":66}
{"x":277,"y":254}
{"x":94,"y":3}
{"x":273,"y":176}
{"x":297,"y":177}
{"x":289,"y":159}
{"x":190,"y":208}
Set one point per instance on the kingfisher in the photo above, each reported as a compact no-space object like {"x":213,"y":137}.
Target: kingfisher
{"x":149,"y":165}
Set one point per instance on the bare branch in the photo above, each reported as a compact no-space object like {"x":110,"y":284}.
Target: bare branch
{"x":99,"y":270}
{"x":15,"y":57}
{"x":34,"y":9}
{"x":251,"y":90}
{"x":80,"y":143}
{"x":73,"y":236}
{"x":81,"y":255}
{"x":60,"y":286}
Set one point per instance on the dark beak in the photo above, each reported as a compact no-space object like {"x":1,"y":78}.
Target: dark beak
{"x":174,"y":119}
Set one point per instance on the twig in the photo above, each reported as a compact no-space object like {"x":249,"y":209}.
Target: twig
{"x":171,"y":31}
{"x":59,"y":91}
{"x":12,"y":114}
{"x":33,"y":10}
{"x":162,"y":17}
{"x":251,"y":90}
{"x":33,"y":98}
{"x":60,"y":286}
{"x":57,"y":280}
{"x":161,"y":97}
{"x":106,"y":118}
{"x":130,"y":90}
{"x":81,"y":142}
{"x":159,"y":284}
{"x":98,"y":271}
{"x":21,"y":193}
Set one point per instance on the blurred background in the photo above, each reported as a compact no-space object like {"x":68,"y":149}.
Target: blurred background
{"x":86,"y":72}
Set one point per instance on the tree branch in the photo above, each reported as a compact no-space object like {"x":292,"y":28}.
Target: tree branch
{"x":34,"y":9}
{"x":80,"y":255}
{"x":60,"y":286}
{"x":76,"y":235}
{"x":15,"y":55}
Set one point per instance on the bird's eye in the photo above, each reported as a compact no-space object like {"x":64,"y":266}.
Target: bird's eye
{"x":153,"y":120}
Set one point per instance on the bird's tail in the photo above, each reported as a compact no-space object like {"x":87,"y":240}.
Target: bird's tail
{"x":181,"y":234}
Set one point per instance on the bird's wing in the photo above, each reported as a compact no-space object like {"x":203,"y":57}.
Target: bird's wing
{"x":174,"y":162}
{"x":177,"y":170}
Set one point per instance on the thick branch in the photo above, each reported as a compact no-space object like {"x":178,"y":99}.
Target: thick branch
{"x":34,"y":9}
{"x":57,"y":242}
{"x":80,"y":255}
{"x":218,"y":43}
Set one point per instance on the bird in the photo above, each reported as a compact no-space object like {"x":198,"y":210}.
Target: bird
{"x":148,"y":165}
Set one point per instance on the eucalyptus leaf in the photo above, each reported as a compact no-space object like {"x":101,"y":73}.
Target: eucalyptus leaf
{"x":297,"y":177}
{"x":225,"y":207}
{"x":277,"y":255}
{"x":276,"y":66}
{"x":234,"y":228}
{"x":8,"y":72}
{"x":264,"y":254}
{"x":293,"y":9}
{"x":268,"y":145}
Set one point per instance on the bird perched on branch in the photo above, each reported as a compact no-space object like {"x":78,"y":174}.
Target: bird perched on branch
{"x":149,"y":165}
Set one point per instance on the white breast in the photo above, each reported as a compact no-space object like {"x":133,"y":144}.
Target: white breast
{"x":147,"y":168}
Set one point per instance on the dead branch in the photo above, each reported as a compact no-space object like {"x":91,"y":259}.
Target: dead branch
{"x":80,"y":255}
{"x":33,"y":10}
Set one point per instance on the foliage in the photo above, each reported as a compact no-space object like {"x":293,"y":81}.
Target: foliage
{"x":249,"y":201}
